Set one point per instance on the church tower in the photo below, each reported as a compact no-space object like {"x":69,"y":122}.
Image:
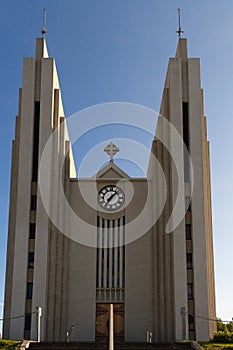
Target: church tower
{"x":40,"y":112}
{"x":163,"y":280}
{"x":184,"y":264}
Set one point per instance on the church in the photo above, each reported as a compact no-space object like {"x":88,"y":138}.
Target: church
{"x":157,"y":269}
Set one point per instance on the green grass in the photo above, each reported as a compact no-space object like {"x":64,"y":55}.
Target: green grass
{"x":216,"y":346}
{"x":9,"y":344}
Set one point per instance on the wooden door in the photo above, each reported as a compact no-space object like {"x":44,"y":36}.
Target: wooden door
{"x":102,"y":322}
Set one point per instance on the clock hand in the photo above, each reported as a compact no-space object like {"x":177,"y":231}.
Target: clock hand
{"x":111,"y":197}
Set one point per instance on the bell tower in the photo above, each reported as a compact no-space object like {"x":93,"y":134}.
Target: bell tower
{"x":183,"y":257}
{"x":40,"y":112}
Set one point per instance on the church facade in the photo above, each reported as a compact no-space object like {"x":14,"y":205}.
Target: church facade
{"x":161,"y":281}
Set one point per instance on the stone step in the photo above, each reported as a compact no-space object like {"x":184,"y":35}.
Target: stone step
{"x":117,"y":346}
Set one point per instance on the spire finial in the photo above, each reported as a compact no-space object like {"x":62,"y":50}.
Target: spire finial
{"x":44,"y":30}
{"x":179,"y":31}
{"x":111,"y":150}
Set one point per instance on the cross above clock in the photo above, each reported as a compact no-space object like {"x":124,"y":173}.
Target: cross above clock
{"x":111,"y":150}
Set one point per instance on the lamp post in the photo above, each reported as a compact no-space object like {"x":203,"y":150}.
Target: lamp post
{"x":68,"y":333}
{"x":111,"y":329}
{"x":39,"y":314}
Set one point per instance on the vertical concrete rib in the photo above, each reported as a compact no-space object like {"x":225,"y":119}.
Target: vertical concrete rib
{"x":105,"y":234}
{"x":116,"y":234}
{"x":121,"y":252}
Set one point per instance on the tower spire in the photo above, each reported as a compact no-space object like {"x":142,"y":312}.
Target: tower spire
{"x":179,"y":31}
{"x":44,"y":30}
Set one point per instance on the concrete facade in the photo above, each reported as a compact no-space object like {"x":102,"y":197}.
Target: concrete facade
{"x":149,"y":278}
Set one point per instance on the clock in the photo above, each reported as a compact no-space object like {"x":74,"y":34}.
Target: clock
{"x":111,"y":197}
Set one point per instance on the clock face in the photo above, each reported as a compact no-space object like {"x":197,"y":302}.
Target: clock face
{"x":111,"y":197}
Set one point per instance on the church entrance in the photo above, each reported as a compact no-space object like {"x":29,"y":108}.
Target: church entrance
{"x":103,"y":322}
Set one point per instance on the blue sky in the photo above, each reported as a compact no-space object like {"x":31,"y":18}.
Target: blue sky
{"x":109,"y":51}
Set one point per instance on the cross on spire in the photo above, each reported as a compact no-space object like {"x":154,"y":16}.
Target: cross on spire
{"x":179,"y":31}
{"x":111,"y":150}
{"x":44,"y":30}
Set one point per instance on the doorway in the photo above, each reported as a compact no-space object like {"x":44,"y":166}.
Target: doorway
{"x":103,"y":322}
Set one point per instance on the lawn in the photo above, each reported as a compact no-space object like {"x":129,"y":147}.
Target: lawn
{"x":216,"y":346}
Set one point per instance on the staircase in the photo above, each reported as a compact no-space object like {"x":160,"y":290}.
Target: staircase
{"x":118,"y":346}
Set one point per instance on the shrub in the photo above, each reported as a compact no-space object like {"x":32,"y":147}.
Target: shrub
{"x":9,"y":344}
{"x":230,"y":327}
{"x":223,"y":337}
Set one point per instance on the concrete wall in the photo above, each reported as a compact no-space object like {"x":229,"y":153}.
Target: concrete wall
{"x":22,"y":200}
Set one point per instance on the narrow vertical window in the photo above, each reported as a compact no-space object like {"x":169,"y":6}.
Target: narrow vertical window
{"x":189,"y":257}
{"x":186,"y":141}
{"x":36,"y":141}
{"x":190,"y":291}
{"x":33,"y":202}
{"x":188,"y":231}
{"x":97,"y":252}
{"x":186,"y":124}
{"x":32,"y":231}
{"x":29,"y":290}
{"x":123,"y":262}
{"x":30,"y":260}
{"x":27,"y":325}
{"x":113,"y":252}
{"x":108,"y":251}
{"x":191,"y":322}
{"x":102,"y":258}
{"x":118,"y":254}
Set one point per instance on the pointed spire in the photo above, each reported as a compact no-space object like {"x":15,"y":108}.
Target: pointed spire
{"x":41,"y":49}
{"x":179,"y":31}
{"x":44,"y":30}
{"x":182,"y":48}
